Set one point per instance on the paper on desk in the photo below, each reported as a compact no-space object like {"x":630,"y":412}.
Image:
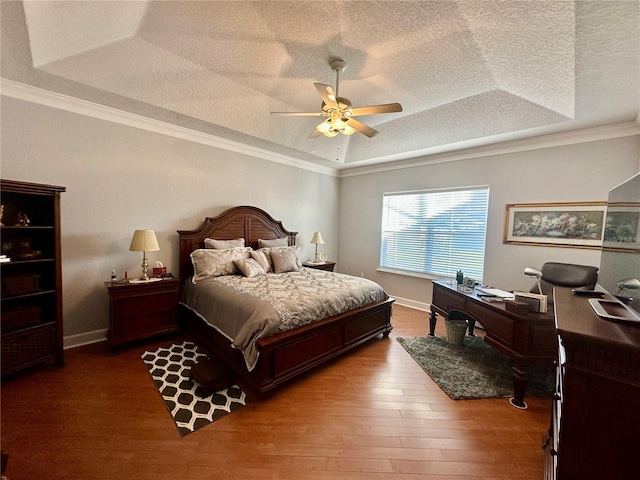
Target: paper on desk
{"x":497,"y":292}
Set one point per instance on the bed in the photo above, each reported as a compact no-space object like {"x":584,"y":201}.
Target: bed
{"x":281,"y":356}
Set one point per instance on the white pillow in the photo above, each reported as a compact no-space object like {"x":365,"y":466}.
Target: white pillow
{"x":223,"y":244}
{"x":249,"y":267}
{"x":209,"y":263}
{"x":276,"y":242}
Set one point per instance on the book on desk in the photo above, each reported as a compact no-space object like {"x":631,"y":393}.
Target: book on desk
{"x":536,"y":302}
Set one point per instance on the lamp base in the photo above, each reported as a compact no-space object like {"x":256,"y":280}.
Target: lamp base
{"x":145,"y":267}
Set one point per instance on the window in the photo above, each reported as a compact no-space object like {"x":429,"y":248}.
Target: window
{"x":436,"y":232}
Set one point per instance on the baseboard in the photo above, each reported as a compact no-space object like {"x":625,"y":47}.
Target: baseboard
{"x":73,"y":341}
{"x":406,"y":302}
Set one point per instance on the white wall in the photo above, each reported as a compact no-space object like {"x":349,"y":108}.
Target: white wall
{"x":119,"y":179}
{"x":575,"y":173}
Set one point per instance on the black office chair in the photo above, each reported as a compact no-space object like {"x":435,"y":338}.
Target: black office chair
{"x":563,"y":275}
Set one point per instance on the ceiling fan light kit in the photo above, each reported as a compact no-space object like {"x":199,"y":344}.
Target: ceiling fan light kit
{"x":336,"y":123}
{"x":339,"y":110}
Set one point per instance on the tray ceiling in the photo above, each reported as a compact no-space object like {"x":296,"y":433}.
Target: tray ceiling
{"x":467,"y":73}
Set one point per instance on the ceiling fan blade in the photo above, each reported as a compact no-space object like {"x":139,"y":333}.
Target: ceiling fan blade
{"x":374,"y":109}
{"x":315,"y":134}
{"x":298,"y":114}
{"x":326,"y":92}
{"x":362,"y":128}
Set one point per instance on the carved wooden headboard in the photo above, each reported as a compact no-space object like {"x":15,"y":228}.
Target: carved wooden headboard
{"x":250,"y":223}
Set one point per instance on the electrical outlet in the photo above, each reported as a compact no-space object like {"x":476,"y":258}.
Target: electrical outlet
{"x":362,"y":274}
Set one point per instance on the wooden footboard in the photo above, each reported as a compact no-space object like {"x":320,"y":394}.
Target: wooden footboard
{"x":286,"y":355}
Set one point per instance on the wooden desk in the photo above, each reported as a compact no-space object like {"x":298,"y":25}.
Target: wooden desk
{"x":526,"y":339}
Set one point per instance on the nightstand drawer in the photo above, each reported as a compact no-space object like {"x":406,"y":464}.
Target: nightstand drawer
{"x":144,"y":324}
{"x":147,"y":305}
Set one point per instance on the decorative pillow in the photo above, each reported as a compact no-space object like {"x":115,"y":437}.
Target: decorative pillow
{"x":277,"y":242}
{"x":294,"y":248}
{"x":223,"y":244}
{"x":249,"y":267}
{"x":213,"y":263}
{"x":263,"y":259}
{"x":283,"y":260}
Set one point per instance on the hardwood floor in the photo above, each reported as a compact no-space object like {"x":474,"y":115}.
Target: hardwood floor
{"x":373,"y":413}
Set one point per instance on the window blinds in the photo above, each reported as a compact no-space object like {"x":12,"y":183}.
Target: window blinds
{"x":435,"y":232}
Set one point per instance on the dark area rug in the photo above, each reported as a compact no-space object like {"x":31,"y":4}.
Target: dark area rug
{"x":472,"y":370}
{"x":190,"y":409}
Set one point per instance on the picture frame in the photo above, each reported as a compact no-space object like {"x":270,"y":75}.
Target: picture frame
{"x":573,"y":225}
{"x":622,"y":228}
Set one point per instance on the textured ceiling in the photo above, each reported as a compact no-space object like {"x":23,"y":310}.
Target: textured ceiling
{"x":466,"y":72}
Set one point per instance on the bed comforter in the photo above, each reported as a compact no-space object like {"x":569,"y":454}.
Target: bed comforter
{"x":246,"y":309}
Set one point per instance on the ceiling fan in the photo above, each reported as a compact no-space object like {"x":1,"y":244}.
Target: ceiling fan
{"x":339,"y":111}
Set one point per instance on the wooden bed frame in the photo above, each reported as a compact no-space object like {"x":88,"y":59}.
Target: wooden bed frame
{"x":286,"y":355}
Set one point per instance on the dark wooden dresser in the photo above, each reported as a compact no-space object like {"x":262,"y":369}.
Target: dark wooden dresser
{"x":595,"y":427}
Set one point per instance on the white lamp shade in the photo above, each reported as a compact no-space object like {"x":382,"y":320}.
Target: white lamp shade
{"x":144,"y":241}
{"x":317,"y":239}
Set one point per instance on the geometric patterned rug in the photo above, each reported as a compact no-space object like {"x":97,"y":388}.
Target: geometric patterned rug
{"x":474,"y":369}
{"x":190,"y":409}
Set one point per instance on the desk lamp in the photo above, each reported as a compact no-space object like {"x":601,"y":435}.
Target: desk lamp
{"x":144,"y":241}
{"x":534,"y":273}
{"x":628,"y":284}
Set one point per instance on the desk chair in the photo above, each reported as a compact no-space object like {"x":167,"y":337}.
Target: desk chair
{"x":565,"y":275}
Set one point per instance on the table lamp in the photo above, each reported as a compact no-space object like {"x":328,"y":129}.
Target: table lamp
{"x":317,"y":239}
{"x":144,"y":241}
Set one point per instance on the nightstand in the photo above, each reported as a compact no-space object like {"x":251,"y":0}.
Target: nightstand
{"x":328,"y":266}
{"x":141,"y":310}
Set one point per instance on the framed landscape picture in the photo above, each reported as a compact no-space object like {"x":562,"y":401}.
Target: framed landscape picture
{"x":622,"y":227}
{"x":578,"y":225}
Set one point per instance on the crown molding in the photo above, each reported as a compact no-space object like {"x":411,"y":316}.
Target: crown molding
{"x":513,"y":146}
{"x":29,"y":93}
